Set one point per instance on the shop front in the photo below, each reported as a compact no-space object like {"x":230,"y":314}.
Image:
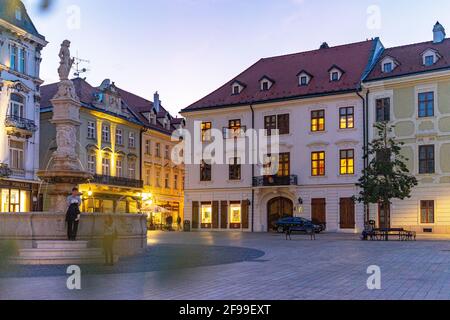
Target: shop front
{"x":17,"y":196}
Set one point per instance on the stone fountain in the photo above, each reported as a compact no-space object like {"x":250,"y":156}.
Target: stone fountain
{"x":65,"y":170}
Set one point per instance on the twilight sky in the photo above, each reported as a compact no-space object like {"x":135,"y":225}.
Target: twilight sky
{"x":187,"y":48}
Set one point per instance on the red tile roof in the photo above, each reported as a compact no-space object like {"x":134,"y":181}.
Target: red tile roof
{"x":353,"y":59}
{"x":410,"y":60}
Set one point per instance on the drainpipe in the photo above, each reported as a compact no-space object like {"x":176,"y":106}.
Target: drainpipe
{"x":253,"y":174}
{"x":365,"y":101}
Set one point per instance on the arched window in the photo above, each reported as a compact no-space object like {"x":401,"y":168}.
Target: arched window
{"x":17,"y":106}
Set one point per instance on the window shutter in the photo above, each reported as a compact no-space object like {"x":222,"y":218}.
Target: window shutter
{"x":224,"y":215}
{"x":244,"y":212}
{"x":195,"y":214}
{"x":215,"y":215}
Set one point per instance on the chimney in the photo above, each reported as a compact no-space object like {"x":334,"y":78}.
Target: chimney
{"x":156,"y":102}
{"x":324,"y":46}
{"x":438,"y":33}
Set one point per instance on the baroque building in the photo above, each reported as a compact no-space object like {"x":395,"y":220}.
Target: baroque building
{"x":314,"y":100}
{"x":410,"y":88}
{"x":20,"y":59}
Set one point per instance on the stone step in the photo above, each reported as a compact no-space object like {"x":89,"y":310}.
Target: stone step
{"x":57,"y":260}
{"x":61,"y":245}
{"x":60,"y":253}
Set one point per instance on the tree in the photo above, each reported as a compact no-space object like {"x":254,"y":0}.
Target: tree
{"x":387,"y":176}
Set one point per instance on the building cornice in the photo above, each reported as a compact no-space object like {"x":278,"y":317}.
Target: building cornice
{"x":22,"y":33}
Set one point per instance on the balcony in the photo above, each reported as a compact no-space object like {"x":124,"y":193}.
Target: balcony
{"x":20,"y":126}
{"x":275,"y":181}
{"x":118,"y":181}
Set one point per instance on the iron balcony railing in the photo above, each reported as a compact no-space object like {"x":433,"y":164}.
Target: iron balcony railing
{"x":20,"y":123}
{"x":5,"y":171}
{"x":118,"y":181}
{"x":275,"y":181}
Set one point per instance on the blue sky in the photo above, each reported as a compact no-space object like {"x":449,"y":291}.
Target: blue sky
{"x":187,"y":48}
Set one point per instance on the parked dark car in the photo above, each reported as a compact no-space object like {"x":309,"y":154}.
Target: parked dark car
{"x":283,"y":224}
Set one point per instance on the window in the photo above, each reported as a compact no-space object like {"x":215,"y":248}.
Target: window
{"x":265,"y":86}
{"x":429,"y":61}
{"x":304,"y":80}
{"x":236,"y":89}
{"x":426,"y":159}
{"x":387,"y":67}
{"x":132,"y":140}
{"x":106,"y":133}
{"x":148,"y":177}
{"x":206,"y":214}
{"x":426,"y":104}
{"x":21,"y":60}
{"x":383,"y":110}
{"x":131,"y":169}
{"x":16,"y":106}
{"x":119,"y":137}
{"x":167,"y":152}
{"x":175,"y":181}
{"x":347,"y":118}
{"x":18,"y":14}
{"x":318,"y":164}
{"x":158,"y":150}
{"x":106,"y":164}
{"x":205,"y":171}
{"x":13,"y":57}
{"x":427,"y":211}
{"x":91,"y":130}
{"x":280,"y":122}
{"x":234,"y":129}
{"x":148,"y":147}
{"x":235,"y":169}
{"x":167,"y":181}
{"x":119,"y":167}
{"x":206,"y":131}
{"x":235,"y":213}
{"x":347,"y":162}
{"x":158,"y":179}
{"x":318,"y":120}
{"x":335,"y":76}
{"x":92,"y":163}
{"x":16,"y":155}
{"x":284,"y":165}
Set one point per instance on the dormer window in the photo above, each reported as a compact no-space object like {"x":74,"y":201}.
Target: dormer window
{"x":430,"y":57}
{"x":236,"y":88}
{"x":335,"y":73}
{"x":304,"y":78}
{"x":266,"y":83}
{"x":388,"y":65}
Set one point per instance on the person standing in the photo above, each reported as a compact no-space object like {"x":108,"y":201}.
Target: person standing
{"x":73,"y":214}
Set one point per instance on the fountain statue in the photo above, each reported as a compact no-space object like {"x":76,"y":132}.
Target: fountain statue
{"x":66,"y":171}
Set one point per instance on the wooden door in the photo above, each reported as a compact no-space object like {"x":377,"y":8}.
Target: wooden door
{"x":278,"y":208}
{"x":319,"y":211}
{"x":347,"y":213}
{"x":195,"y":214}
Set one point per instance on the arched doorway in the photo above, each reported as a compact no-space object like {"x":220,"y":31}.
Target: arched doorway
{"x":278,"y":208}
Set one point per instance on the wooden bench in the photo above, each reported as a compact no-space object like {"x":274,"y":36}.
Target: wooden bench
{"x":309,"y":231}
{"x":384,"y":234}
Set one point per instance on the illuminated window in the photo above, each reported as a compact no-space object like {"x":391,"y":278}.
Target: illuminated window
{"x":206,"y":214}
{"x":347,"y":162}
{"x":206,"y":131}
{"x":318,"y":164}
{"x":318,"y":120}
{"x":235,"y":213}
{"x":347,"y":118}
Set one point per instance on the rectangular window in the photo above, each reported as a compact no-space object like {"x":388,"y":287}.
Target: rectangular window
{"x":235,"y":213}
{"x":318,"y":164}
{"x":317,"y":120}
{"x":387,"y":67}
{"x":92,"y":163}
{"x":335,"y":76}
{"x":16,"y":106}
{"x":106,"y":134}
{"x":13,"y":57}
{"x":119,"y":137}
{"x":303,"y":80}
{"x":167,"y":181}
{"x":206,"y":131}
{"x":383,"y":110}
{"x":284,"y":165}
{"x":106,"y":164}
{"x":279,"y":122}
{"x":206,"y":214}
{"x":429,"y":61}
{"x":167,"y":152}
{"x":205,"y":171}
{"x":158,"y":179}
{"x":235,"y":169}
{"x":234,"y":130}
{"x":91,"y":130}
{"x":132,"y":140}
{"x":148,"y":177}
{"x":132,"y":169}
{"x":426,"y":104}
{"x":347,"y":118}
{"x":175,"y":181}
{"x":148,"y":147}
{"x":21,"y":60}
{"x":158,"y":150}
{"x":427,"y":211}
{"x":119,"y":168}
{"x":426,"y":159}
{"x":16,"y":155}
{"x":347,"y":164}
